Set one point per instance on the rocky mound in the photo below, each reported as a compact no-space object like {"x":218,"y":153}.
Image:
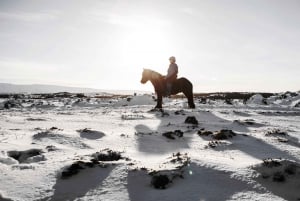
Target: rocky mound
{"x":223,"y":134}
{"x":173,"y":134}
{"x":90,"y":134}
{"x":291,"y":99}
{"x":97,"y":160}
{"x":77,"y":166}
{"x":136,"y":100}
{"x":53,"y":135}
{"x":107,"y":155}
{"x":191,"y":120}
{"x":27,"y":156}
{"x":280,"y":176}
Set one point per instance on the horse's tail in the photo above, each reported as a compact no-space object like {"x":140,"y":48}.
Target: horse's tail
{"x":187,"y":88}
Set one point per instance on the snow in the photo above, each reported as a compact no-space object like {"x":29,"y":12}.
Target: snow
{"x":221,"y":157}
{"x":256,"y":99}
{"x":136,"y":101}
{"x":286,"y":99}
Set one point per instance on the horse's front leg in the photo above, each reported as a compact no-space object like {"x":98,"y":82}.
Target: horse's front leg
{"x":159,"y":100}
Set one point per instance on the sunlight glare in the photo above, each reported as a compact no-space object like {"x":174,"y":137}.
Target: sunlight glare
{"x":145,"y":44}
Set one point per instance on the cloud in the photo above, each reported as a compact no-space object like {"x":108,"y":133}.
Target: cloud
{"x":29,"y":16}
{"x":25,"y":67}
{"x":127,"y":19}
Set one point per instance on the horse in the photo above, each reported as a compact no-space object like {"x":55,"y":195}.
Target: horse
{"x":158,"y":81}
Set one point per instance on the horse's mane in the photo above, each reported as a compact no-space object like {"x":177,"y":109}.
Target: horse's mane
{"x":154,"y":73}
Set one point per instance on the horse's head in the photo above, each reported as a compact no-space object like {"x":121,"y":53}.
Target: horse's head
{"x":145,"y":76}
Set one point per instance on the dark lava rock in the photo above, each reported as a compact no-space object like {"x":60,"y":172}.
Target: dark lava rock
{"x":51,"y":148}
{"x":270,"y":163}
{"x":264,"y":101}
{"x":191,"y":120}
{"x":181,"y":159}
{"x":288,"y":94}
{"x":213,"y":144}
{"x":77,"y":166}
{"x":63,"y":95}
{"x":22,"y":156}
{"x":203,"y":101}
{"x":204,"y":133}
{"x":276,"y":132}
{"x":160,"y":181}
{"x":107,"y":155}
{"x":173,"y":134}
{"x":228,"y":101}
{"x":36,"y":119}
{"x":80,"y":95}
{"x":72,"y":169}
{"x":284,"y":140}
{"x":249,"y":122}
{"x":223,"y":134}
{"x":5,"y":96}
{"x":11,"y":104}
{"x":44,"y":134}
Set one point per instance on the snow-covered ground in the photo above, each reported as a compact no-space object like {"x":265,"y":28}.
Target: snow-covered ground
{"x":118,"y":149}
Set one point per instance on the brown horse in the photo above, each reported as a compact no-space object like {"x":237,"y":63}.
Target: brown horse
{"x":158,"y":81}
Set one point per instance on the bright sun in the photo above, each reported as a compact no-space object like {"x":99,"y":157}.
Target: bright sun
{"x":145,"y":42}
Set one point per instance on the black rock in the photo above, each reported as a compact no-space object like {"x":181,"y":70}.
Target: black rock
{"x":270,"y":163}
{"x":223,"y":134}
{"x":160,"y":181}
{"x":107,"y":155}
{"x":169,"y":135}
{"x":191,"y":120}
{"x":203,"y":101}
{"x":51,"y":148}
{"x":22,"y":156}
{"x":228,"y":101}
{"x":276,"y":132}
{"x":178,"y":133}
{"x":172,"y":134}
{"x":53,"y":128}
{"x":80,"y":95}
{"x":204,"y":133}
{"x":72,"y":170}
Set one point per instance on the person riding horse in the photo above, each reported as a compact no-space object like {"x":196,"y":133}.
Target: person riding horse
{"x":172,"y":75}
{"x":175,"y":85}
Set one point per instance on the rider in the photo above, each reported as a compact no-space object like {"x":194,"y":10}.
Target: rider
{"x":172,"y":74}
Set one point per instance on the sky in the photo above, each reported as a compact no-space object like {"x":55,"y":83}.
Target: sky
{"x":220,"y":45}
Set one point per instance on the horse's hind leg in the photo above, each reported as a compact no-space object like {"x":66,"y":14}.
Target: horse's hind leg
{"x":190,"y":98}
{"x":191,"y":102}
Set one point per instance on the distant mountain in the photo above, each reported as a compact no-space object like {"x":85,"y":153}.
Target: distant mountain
{"x":40,"y":88}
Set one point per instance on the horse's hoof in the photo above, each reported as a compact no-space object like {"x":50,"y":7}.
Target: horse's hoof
{"x":156,"y":110}
{"x":192,"y":106}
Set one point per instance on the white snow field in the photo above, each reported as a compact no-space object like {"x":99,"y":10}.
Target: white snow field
{"x":87,"y":148}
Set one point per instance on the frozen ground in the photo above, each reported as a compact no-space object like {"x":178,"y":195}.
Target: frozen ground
{"x":117,"y":149}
